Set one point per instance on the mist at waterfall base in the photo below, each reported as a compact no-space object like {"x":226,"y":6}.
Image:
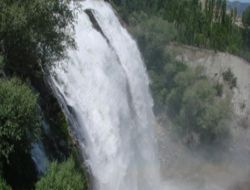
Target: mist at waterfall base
{"x":103,"y":88}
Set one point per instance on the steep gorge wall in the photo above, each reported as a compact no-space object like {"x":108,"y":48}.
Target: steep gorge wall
{"x":215,"y":64}
{"x":221,"y":168}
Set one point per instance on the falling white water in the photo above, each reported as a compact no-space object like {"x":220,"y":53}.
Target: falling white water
{"x":38,"y":153}
{"x":39,"y":157}
{"x":103,"y":88}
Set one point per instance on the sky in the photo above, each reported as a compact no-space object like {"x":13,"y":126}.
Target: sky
{"x":245,"y":1}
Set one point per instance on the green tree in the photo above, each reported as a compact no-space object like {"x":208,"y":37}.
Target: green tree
{"x":33,"y":33}
{"x":196,"y":107}
{"x":152,"y":34}
{"x":19,"y":120}
{"x":203,"y":113}
{"x":207,"y":26}
{"x":246,"y":24}
{"x":246,"y":17}
{"x":62,"y":176}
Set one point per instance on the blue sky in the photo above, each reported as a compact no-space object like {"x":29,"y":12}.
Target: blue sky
{"x":246,"y":1}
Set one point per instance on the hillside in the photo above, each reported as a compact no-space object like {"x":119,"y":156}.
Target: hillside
{"x":224,"y":168}
{"x":241,"y":6}
{"x":215,"y":65}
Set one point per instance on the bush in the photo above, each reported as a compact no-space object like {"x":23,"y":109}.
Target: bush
{"x":152,"y":35}
{"x":19,"y":120}
{"x":229,"y":77}
{"x":182,"y":80}
{"x":62,"y":176}
{"x":163,"y":82}
{"x":196,"y":108}
{"x":3,"y":185}
{"x":219,"y":89}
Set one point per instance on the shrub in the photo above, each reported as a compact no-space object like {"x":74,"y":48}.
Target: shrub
{"x":62,"y":176}
{"x":229,"y":77}
{"x":152,"y":35}
{"x":3,"y":185}
{"x":219,"y":89}
{"x":196,"y":108}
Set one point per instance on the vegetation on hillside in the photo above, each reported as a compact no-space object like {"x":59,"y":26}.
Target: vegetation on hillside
{"x":19,"y":127}
{"x":246,"y":24}
{"x":63,"y":176}
{"x":194,"y":102}
{"x":33,"y":34}
{"x":19,"y":118}
{"x":199,"y":113}
{"x":207,"y":24}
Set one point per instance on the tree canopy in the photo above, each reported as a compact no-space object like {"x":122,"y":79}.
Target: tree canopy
{"x":196,"y":107}
{"x":246,"y":17}
{"x":34,"y":33}
{"x":19,"y":120}
{"x":246,"y":24}
{"x":193,"y":101}
{"x":204,"y":24}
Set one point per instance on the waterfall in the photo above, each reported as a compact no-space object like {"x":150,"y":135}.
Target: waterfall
{"x":104,"y":90}
{"x":38,"y":153}
{"x":39,"y":157}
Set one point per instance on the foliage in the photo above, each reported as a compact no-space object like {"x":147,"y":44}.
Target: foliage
{"x":152,"y":34}
{"x":127,"y":7}
{"x":208,"y":25}
{"x":163,"y":82}
{"x":19,"y":119}
{"x":3,"y":185}
{"x":244,"y":53}
{"x":157,"y":31}
{"x":62,"y":176}
{"x":1,"y":63}
{"x":193,"y":102}
{"x":33,"y":33}
{"x":246,"y":24}
{"x":229,"y":77}
{"x":246,"y":17}
{"x":219,"y":89}
{"x":196,"y":108}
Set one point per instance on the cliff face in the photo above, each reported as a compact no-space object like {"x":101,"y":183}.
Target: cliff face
{"x":215,"y":65}
{"x":225,"y":168}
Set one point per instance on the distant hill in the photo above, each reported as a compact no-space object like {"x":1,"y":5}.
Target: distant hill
{"x":239,"y":5}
